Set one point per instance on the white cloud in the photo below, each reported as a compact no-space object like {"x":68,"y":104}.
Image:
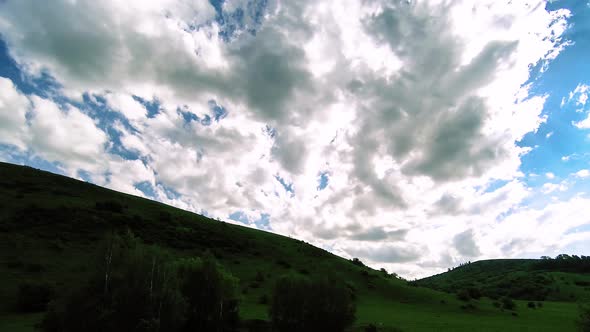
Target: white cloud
{"x":13,"y":109}
{"x":584,"y":124}
{"x":550,"y":175}
{"x":580,"y":94}
{"x":128,"y":106}
{"x":59,"y":135}
{"x":583,"y":173}
{"x":548,"y":187}
{"x":551,"y":226}
{"x":65,"y":135}
{"x":465,"y":244}
{"x":128,"y":173}
{"x":410,"y":108}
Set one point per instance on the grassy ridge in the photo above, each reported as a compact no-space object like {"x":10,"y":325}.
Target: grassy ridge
{"x":525,"y":279}
{"x":50,"y":226}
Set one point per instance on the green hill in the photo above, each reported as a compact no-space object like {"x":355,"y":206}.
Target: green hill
{"x":563,"y":279}
{"x":50,"y":227}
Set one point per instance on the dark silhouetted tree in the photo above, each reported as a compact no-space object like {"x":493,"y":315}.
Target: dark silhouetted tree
{"x":211,"y":293}
{"x":136,"y":287}
{"x":302,"y":304}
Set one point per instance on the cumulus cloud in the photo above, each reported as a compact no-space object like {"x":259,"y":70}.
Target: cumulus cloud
{"x":465,"y":244}
{"x":378,"y":234}
{"x":13,"y":110}
{"x":128,"y":106}
{"x":584,"y":124}
{"x":412,"y":108}
{"x":387,"y":254}
{"x":64,"y":135}
{"x":554,"y":227}
{"x":548,"y":188}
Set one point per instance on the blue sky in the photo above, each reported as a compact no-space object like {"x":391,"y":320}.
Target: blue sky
{"x":376,"y":131}
{"x":562,"y":76}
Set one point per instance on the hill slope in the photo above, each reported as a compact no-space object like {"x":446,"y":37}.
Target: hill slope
{"x":526,"y":279}
{"x":50,"y":226}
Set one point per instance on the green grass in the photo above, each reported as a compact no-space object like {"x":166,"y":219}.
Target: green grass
{"x":447,"y":317}
{"x":50,"y":227}
{"x":19,"y":322}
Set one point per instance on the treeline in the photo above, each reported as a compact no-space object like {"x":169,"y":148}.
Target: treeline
{"x":138,"y":287}
{"x":564,"y":263}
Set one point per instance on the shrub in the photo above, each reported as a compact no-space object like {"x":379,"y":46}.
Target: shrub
{"x":463,"y":295}
{"x":468,"y":306}
{"x":508,"y":303}
{"x":371,"y":328}
{"x":283,"y":263}
{"x":357,"y":262}
{"x":302,"y":304}
{"x":474,"y":293}
{"x":351,"y":289}
{"x":532,"y":305}
{"x":109,"y":206}
{"x":34,"y":297}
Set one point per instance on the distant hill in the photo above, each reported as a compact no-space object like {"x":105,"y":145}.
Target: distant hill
{"x":566,"y":278}
{"x":51,"y":225}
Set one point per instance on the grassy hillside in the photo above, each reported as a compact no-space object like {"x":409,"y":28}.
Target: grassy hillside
{"x":50,"y":226}
{"x":524,"y":279}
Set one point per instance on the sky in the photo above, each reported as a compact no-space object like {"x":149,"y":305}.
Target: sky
{"x":413,"y":134}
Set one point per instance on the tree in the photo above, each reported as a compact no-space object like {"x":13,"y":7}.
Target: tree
{"x":358,"y":262}
{"x":140,"y":288}
{"x":133,"y":288}
{"x":302,"y":304}
{"x":211,"y":293}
